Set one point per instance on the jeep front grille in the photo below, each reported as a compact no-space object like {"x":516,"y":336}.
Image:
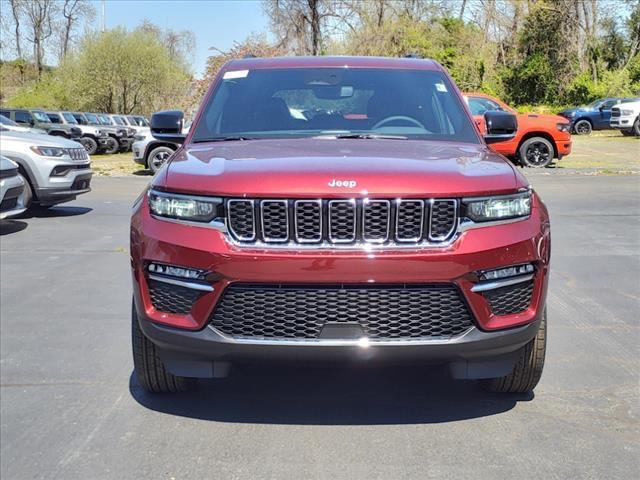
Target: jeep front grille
{"x":615,"y":112}
{"x":342,"y":222}
{"x":280,"y":312}
{"x":78,"y":154}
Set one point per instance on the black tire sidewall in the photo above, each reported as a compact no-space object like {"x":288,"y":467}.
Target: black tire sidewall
{"x":636,"y":127}
{"x":527,"y":143}
{"x":154,"y":152}
{"x":115,"y":146}
{"x":90,"y":141}
{"x":586,"y":122}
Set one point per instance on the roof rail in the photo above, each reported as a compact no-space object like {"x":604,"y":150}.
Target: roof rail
{"x":249,"y":55}
{"x":412,"y":55}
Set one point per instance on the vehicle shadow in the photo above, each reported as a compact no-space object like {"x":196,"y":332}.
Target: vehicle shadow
{"x":56,"y":211}
{"x":331,"y":396}
{"x":11,"y":226}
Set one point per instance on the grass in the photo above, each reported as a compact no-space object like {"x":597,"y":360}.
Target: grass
{"x":117,"y":165}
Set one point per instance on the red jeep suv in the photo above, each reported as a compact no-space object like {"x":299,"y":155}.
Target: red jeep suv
{"x":338,"y":210}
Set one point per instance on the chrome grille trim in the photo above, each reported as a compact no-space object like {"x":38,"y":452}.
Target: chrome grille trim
{"x":266,"y":238}
{"x":242,"y":238}
{"x":355,"y":224}
{"x":454,"y":222}
{"x":333,"y":220}
{"x":367,"y":204}
{"x":296,"y":205}
{"x":399,"y":205}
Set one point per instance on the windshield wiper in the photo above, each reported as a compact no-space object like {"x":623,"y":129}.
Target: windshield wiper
{"x":234,"y":138}
{"x":365,"y":136}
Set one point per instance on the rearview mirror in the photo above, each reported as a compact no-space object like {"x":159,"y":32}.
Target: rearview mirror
{"x":501,"y":126}
{"x":167,"y":126}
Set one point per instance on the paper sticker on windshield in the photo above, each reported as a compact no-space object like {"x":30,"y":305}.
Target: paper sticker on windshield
{"x":235,"y":74}
{"x":440,"y":87}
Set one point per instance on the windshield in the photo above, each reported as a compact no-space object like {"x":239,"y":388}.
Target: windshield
{"x":307,"y":102}
{"x":92,"y":118}
{"x":7,"y":121}
{"x":141,"y":121}
{"x":69,"y":118}
{"x":104,"y":120}
{"x":41,"y":116}
{"x":118,"y":120}
{"x":594,"y":105}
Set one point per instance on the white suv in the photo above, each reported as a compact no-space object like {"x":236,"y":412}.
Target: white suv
{"x":55,"y":169}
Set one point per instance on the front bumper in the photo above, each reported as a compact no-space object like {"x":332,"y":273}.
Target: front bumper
{"x":189,"y":339}
{"x":11,"y":196}
{"x":138,"y":152}
{"x":622,"y":122}
{"x":75,"y":184}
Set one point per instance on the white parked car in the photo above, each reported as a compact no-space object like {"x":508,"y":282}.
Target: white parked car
{"x":55,"y":169}
{"x":626,"y":117}
{"x":150,"y":152}
{"x":11,"y":189}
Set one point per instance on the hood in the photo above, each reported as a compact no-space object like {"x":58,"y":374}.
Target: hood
{"x":93,"y":130}
{"x":37,"y":139}
{"x":329,"y":168}
{"x":534,"y":118}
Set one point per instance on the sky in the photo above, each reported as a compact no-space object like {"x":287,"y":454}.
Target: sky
{"x":215,"y":23}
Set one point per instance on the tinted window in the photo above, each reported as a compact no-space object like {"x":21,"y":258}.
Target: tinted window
{"x":92,"y":118}
{"x":479,"y":105}
{"x":23,"y":117}
{"x":118,"y":120}
{"x":104,"y":120}
{"x":69,"y":118}
{"x":609,"y":103}
{"x":54,"y":117}
{"x":41,"y":116}
{"x":302,"y":102}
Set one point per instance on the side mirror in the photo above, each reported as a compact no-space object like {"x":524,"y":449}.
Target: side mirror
{"x":501,"y":126}
{"x":167,"y":126}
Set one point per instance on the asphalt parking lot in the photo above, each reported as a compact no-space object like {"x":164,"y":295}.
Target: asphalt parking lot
{"x":70,"y":409}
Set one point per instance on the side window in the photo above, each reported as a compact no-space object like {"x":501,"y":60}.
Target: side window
{"x":23,"y":117}
{"x":5,"y":113}
{"x":54,"y":118}
{"x":608,"y":104}
{"x":476,"y":106}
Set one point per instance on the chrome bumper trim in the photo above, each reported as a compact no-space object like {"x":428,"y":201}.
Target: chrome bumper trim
{"x":483,"y":287}
{"x":182,"y":283}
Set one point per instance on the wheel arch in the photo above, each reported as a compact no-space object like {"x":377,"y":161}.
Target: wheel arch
{"x":25,"y":170}
{"x":151,"y":146}
{"x":547,"y":136}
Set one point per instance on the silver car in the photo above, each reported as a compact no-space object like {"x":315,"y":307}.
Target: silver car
{"x":55,"y":169}
{"x":11,"y":189}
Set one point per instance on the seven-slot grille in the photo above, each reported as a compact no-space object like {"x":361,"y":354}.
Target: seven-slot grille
{"x":342,"y":222}
{"x":615,"y":112}
{"x":279,"y":312}
{"x":78,"y":154}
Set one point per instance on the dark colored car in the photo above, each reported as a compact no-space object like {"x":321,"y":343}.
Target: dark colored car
{"x":594,"y":116}
{"x":341,"y":210}
{"x":39,"y":119}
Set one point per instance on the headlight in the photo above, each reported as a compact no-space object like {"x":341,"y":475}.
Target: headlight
{"x":50,"y":151}
{"x":563,"y":127}
{"x":498,"y":208}
{"x":570,"y":114}
{"x":183,"y":207}
{"x":626,"y":112}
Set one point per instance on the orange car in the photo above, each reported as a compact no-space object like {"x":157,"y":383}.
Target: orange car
{"x":540,"y":138}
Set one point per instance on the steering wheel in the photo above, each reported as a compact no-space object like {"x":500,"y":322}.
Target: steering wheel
{"x":393,"y":118}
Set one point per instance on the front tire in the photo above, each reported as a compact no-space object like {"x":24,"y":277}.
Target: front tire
{"x":527,"y":372}
{"x":158,"y":157}
{"x":90,"y":145}
{"x":149,"y":369}
{"x":583,"y":127}
{"x":636,"y":127}
{"x":536,"y":152}
{"x":628,"y":133}
{"x":112,"y":146}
